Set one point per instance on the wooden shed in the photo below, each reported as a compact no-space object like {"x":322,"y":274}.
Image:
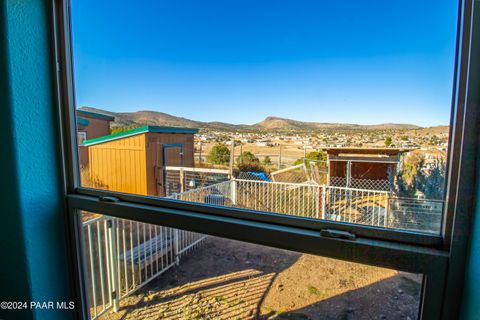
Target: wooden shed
{"x":133,"y":161}
{"x":364,"y":168}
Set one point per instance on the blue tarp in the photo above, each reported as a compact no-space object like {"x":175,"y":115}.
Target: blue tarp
{"x":261,"y":175}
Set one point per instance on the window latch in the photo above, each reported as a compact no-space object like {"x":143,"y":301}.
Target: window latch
{"x":339,"y":234}
{"x":108,"y":199}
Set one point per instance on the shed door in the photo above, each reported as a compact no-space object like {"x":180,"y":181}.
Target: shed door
{"x":172,"y":157}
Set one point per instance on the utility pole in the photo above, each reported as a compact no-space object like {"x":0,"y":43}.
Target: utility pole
{"x":280,"y":157}
{"x":304,"y":153}
{"x":232,"y":157}
{"x":241,"y":153}
{"x":200,"y":152}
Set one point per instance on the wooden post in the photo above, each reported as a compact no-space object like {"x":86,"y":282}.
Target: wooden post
{"x":182,"y":180}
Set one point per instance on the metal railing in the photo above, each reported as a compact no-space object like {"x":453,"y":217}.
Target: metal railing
{"x":122,"y":256}
{"x":183,"y":179}
{"x":219,"y":194}
{"x":351,"y":205}
{"x":279,"y":197}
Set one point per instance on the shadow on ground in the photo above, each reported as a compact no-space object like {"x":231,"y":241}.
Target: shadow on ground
{"x":226,"y":279}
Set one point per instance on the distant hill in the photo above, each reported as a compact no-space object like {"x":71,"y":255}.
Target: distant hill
{"x":275,"y":123}
{"x":156,"y":118}
{"x":436,"y":130}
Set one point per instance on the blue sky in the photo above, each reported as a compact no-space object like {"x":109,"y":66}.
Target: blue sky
{"x":239,"y":61}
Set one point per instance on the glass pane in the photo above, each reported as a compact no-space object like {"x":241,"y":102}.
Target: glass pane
{"x":165,"y":273}
{"x":335,"y":111}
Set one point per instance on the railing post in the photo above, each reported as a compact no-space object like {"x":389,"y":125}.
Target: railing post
{"x":387,"y":210}
{"x":112,"y":255}
{"x":233,"y":190}
{"x":324,"y":190}
{"x":176,"y":246}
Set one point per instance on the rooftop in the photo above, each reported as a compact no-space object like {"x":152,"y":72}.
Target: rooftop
{"x":94,"y":115}
{"x":366,"y":151}
{"x":140,"y":130}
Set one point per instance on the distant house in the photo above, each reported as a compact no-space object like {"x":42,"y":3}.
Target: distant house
{"x":372,"y":168}
{"x":90,"y":125}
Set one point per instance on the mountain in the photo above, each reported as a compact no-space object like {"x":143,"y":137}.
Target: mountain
{"x":139,"y":118}
{"x":276,"y":123}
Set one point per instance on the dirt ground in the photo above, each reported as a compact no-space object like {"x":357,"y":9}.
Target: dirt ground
{"x":226,"y":279}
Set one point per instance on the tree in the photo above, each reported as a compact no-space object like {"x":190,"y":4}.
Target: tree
{"x":267,"y":161}
{"x":220,"y":154}
{"x":314,"y":155}
{"x":408,"y":176}
{"x":247,"y":161}
{"x":246,"y":157}
{"x":121,"y":129}
{"x":388,"y":141}
{"x":416,"y":177}
{"x":432,"y":181}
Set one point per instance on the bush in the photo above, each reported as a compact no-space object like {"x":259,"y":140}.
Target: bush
{"x":220,"y":154}
{"x":247,"y":161}
{"x":314,"y":155}
{"x":416,"y":177}
{"x":267,"y":161}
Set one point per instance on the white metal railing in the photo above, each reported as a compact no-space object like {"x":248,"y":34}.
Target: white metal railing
{"x":299,"y":199}
{"x":182,"y":179}
{"x":352,"y":205}
{"x":123,"y":255}
{"x":217,"y":194}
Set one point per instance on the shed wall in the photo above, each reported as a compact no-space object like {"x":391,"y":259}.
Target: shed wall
{"x":156,"y":160}
{"x":119,"y":165}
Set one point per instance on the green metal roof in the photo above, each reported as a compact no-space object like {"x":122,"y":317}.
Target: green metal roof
{"x":94,"y":115}
{"x":136,"y":131}
{"x":82,"y":122}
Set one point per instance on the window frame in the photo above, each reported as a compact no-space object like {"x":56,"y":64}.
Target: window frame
{"x":430,"y":255}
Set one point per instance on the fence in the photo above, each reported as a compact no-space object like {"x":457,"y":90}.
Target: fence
{"x":123,"y":255}
{"x":370,"y":184}
{"x":361,"y":206}
{"x":310,"y":170}
{"x":279,"y":197}
{"x":182,"y":179}
{"x":219,"y":194}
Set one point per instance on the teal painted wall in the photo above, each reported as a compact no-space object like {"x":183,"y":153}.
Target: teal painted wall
{"x":471,"y":294}
{"x":33,"y":255}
